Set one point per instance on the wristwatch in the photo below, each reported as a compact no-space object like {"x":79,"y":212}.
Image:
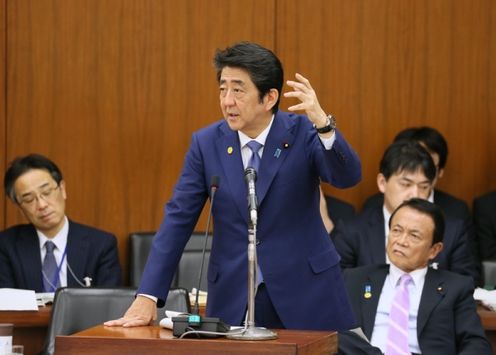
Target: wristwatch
{"x":329,"y":126}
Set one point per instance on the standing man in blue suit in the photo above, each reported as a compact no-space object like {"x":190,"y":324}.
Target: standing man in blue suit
{"x":80,"y":255}
{"x":302,"y":283}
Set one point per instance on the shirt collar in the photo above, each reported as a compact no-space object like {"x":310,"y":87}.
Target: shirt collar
{"x":417,"y":275}
{"x":431,"y":196}
{"x":60,"y":239}
{"x":261,"y":138}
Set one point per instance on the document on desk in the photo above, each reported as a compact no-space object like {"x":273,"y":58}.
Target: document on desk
{"x":13,"y":299}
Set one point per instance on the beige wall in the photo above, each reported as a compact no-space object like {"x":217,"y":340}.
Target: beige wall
{"x":112,"y":90}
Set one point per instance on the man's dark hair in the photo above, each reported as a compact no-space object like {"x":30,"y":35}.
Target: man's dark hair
{"x":407,"y":155}
{"x":22,"y":165}
{"x":427,"y":208}
{"x":431,"y":138}
{"x":261,"y":64}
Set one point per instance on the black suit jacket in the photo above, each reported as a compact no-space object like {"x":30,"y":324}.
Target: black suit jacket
{"x":447,"y":321}
{"x":362,"y":241}
{"x":338,"y":209}
{"x":484,"y":209}
{"x":453,"y":207}
{"x":90,"y":252}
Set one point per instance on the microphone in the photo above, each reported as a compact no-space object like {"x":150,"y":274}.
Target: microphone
{"x":251,"y":178}
{"x":194,"y":323}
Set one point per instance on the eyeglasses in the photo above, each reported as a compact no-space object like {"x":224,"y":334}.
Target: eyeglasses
{"x":47,"y":194}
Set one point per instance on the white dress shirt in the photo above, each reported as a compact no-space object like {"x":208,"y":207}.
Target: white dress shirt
{"x":60,"y":241}
{"x":380,"y":332}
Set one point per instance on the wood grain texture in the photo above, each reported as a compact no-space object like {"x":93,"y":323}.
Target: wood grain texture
{"x":381,"y":66}
{"x":153,"y":339}
{"x":112,"y":90}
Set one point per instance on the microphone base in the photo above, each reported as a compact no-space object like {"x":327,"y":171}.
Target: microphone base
{"x":253,"y":333}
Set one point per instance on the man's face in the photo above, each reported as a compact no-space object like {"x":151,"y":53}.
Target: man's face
{"x":240,"y":102}
{"x":403,"y":186}
{"x":409,"y":245}
{"x":41,"y":200}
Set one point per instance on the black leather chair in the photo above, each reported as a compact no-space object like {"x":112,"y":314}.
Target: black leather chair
{"x":139,"y":248}
{"x":188,"y":268}
{"x":76,"y":309}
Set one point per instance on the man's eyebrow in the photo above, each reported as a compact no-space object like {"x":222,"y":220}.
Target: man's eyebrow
{"x":235,"y":81}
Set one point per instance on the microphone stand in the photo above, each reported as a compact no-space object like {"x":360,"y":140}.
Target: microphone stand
{"x":251,"y":332}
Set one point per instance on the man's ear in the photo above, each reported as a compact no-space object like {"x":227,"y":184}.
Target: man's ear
{"x":440,"y":173}
{"x":435,"y":250}
{"x":381,"y":182}
{"x":270,"y":99}
{"x":62,"y":189}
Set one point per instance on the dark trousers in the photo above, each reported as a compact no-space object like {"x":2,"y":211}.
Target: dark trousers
{"x":265,"y":313}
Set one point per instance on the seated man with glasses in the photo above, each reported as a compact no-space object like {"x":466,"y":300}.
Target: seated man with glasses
{"x":51,"y":251}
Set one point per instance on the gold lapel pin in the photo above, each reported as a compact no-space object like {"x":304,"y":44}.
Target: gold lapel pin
{"x":230,"y":150}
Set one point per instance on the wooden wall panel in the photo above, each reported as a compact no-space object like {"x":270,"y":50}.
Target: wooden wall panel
{"x":3,"y":34}
{"x":112,"y":90}
{"x":381,"y":66}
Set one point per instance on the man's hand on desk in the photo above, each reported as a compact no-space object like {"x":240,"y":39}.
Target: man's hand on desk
{"x":143,"y":311}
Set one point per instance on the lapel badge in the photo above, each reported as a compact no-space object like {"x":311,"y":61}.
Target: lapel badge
{"x":277,"y":153}
{"x":230,"y":150}
{"x":285,"y":145}
{"x":368,"y":292}
{"x":440,"y":290}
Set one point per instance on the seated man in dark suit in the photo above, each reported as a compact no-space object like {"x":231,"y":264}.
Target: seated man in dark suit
{"x":51,"y":251}
{"x":333,"y":210}
{"x":407,"y":307}
{"x":433,"y":141}
{"x":484,"y":210}
{"x":406,"y":171}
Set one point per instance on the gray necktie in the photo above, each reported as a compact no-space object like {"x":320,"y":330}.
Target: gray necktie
{"x":50,"y":279}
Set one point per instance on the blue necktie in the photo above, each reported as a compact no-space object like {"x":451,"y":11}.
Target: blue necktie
{"x":255,"y":158}
{"x":50,"y":269}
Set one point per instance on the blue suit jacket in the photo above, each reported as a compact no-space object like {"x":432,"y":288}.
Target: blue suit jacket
{"x":299,"y":263}
{"x":90,"y":252}
{"x":447,"y":321}
{"x":361,"y":241}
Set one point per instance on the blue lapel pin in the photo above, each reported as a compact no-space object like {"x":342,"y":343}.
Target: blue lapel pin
{"x":277,"y":153}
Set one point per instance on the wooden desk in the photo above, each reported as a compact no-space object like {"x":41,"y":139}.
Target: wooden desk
{"x":153,"y":339}
{"x":488,"y":320}
{"x":30,"y":327}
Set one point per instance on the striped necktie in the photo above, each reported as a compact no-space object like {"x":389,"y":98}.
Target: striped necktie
{"x":397,"y":342}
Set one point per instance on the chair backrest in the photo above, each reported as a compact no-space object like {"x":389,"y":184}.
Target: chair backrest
{"x":489,"y":273}
{"x":139,"y":248}
{"x":187,"y":272}
{"x":76,"y":309}
{"x":177,"y":300}
{"x":189,"y":266}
